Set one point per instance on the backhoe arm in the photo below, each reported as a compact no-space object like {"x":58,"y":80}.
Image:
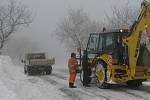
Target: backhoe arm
{"x":147,"y":18}
{"x":133,"y":41}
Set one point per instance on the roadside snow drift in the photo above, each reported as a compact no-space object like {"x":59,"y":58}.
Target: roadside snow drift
{"x":15,"y":84}
{"x":5,"y":94}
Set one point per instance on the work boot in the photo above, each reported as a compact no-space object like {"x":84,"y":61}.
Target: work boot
{"x":71,"y":85}
{"x":74,"y":86}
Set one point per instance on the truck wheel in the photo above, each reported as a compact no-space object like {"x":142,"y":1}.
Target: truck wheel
{"x":25,"y":71}
{"x":49,"y":71}
{"x":28,"y":71}
{"x":134,"y":83}
{"x":101,"y":76}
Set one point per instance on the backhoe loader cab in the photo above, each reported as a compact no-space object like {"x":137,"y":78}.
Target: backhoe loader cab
{"x":109,"y":43}
{"x":109,"y":56}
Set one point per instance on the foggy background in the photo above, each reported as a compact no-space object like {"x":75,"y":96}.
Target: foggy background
{"x":47,"y":14}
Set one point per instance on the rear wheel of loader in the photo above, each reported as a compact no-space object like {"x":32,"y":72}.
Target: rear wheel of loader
{"x":134,"y":83}
{"x":101,"y":76}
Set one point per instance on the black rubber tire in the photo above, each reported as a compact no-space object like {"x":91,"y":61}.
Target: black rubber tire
{"x":49,"y":71}
{"x":101,"y":83}
{"x":134,"y":83}
{"x":29,"y":72}
{"x":25,"y":71}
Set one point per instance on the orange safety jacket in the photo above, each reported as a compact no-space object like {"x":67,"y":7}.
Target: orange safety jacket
{"x":72,"y":64}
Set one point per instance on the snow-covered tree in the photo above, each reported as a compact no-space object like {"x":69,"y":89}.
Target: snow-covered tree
{"x":122,"y":17}
{"x":74,"y":29}
{"x":12,"y":17}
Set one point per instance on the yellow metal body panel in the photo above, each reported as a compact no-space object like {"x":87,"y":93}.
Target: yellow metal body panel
{"x":133,"y":41}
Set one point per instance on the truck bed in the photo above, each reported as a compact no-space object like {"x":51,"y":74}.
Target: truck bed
{"x":42,"y":62}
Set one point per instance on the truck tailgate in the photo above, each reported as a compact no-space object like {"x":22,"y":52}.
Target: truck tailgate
{"x":41,"y":62}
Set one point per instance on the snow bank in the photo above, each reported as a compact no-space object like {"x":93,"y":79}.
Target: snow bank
{"x":15,"y":84}
{"x":5,"y":60}
{"x":6,"y":94}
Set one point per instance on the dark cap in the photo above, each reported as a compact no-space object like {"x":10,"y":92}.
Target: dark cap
{"x":73,"y":54}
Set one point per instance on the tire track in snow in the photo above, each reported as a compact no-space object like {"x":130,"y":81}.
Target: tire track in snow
{"x":98,"y":94}
{"x":145,"y":89}
{"x":62,"y":88}
{"x":121,"y":89}
{"x":74,"y":94}
{"x":95,"y":91}
{"x":128,"y":91}
{"x":53,"y":82}
{"x":91,"y":91}
{"x":69,"y":92}
{"x":59,"y":76}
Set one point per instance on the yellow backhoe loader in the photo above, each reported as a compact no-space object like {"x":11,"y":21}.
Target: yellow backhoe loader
{"x":117,"y":56}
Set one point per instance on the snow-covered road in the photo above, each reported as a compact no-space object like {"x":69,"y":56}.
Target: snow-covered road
{"x":14,"y":85}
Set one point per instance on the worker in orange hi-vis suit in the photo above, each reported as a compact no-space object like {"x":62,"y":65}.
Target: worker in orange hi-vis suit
{"x":72,"y":64}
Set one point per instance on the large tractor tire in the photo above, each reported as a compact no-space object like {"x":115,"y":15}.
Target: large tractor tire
{"x":134,"y":83}
{"x":101,"y":75}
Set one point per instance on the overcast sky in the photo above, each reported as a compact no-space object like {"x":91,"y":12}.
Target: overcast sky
{"x":49,"y":12}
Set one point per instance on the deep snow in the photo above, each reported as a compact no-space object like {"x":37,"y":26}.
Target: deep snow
{"x":14,"y":85}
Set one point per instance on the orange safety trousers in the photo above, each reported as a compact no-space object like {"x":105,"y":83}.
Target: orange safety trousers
{"x":72,"y":77}
{"x":72,"y":70}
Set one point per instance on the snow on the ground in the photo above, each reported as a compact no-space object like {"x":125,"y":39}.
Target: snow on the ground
{"x":24,"y":87}
{"x":14,"y":85}
{"x":6,"y":94}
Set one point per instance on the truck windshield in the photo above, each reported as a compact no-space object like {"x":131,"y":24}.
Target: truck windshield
{"x":36,"y":56}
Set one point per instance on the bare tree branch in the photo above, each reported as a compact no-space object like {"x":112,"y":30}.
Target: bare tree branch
{"x":122,"y":17}
{"x":75,"y":28}
{"x":12,"y":17}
